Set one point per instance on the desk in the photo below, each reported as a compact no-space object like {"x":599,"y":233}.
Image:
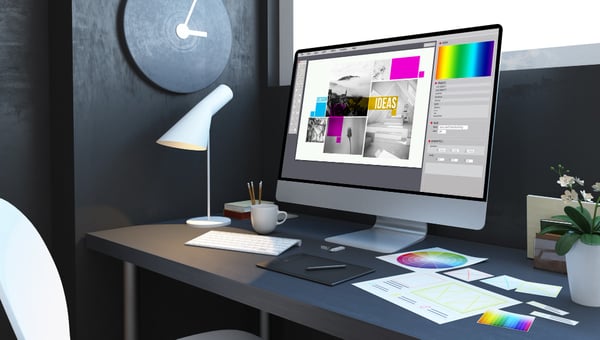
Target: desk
{"x":343,"y":310}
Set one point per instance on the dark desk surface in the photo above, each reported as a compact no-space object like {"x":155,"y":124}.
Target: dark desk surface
{"x":343,"y":310}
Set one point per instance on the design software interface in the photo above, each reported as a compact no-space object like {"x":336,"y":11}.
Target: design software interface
{"x":415,"y":109}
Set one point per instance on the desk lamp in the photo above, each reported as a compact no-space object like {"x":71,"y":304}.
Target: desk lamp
{"x":192,"y":132}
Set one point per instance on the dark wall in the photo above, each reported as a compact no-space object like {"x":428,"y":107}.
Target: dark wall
{"x":78,"y":126}
{"x":24,"y":116}
{"x":122,"y":177}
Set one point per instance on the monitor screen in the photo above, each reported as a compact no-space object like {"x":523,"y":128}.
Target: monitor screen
{"x":398,"y":128}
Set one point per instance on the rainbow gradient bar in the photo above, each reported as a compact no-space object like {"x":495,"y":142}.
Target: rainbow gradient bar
{"x":465,"y":60}
{"x":504,"y":319}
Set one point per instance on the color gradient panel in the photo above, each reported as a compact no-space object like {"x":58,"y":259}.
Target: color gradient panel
{"x":504,"y":319}
{"x":465,"y":60}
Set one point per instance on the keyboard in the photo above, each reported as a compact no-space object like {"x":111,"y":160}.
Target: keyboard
{"x":249,"y":243}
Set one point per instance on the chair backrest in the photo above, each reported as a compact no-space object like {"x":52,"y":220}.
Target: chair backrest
{"x":30,"y":287}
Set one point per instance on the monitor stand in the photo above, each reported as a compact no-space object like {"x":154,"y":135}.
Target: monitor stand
{"x":386,"y":236}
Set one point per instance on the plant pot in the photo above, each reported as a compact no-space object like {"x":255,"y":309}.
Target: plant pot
{"x":583,"y":272}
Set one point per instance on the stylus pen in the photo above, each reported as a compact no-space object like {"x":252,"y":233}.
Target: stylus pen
{"x":330,"y":266}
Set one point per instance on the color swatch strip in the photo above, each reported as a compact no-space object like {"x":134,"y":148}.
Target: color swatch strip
{"x":465,"y":60}
{"x":504,"y":319}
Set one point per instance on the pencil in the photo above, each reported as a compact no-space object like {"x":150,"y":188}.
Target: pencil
{"x":260,"y":192}
{"x":250,"y":192}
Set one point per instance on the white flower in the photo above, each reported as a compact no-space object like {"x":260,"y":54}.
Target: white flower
{"x":586,"y":196}
{"x":565,"y":181}
{"x":578,"y":181}
{"x":596,"y":187}
{"x":569,"y":195}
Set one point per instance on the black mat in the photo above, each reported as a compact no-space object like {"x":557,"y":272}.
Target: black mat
{"x":297,"y":264}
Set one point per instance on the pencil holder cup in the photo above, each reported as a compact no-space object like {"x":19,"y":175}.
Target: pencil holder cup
{"x":266,"y":217}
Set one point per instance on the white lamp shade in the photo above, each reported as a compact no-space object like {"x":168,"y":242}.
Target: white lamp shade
{"x":191,"y":132}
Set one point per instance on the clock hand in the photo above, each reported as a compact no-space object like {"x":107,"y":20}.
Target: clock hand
{"x":183,"y":31}
{"x":189,"y":15}
{"x":198,"y":33}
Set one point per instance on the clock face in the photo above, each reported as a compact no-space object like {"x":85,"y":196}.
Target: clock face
{"x":180,"y":45}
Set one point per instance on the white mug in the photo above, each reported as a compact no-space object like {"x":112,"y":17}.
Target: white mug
{"x":265,"y":217}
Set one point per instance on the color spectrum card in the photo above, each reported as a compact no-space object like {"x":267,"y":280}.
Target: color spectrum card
{"x":508,"y":320}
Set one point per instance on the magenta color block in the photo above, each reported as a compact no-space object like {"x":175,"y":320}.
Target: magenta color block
{"x":403,"y":68}
{"x":334,"y":127}
{"x":421,"y":74}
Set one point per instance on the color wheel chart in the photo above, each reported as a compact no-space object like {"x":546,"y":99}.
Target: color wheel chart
{"x":431,"y":259}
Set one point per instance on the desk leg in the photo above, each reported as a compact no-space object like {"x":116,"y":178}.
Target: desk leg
{"x":129,"y":301}
{"x":264,"y":325}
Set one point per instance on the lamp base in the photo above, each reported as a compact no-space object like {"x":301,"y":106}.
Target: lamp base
{"x":208,"y":221}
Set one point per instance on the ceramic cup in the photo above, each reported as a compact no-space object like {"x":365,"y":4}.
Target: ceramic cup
{"x":266,"y":217}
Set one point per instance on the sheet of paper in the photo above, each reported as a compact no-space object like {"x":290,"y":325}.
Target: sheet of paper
{"x":468,"y":274}
{"x":555,"y":318}
{"x":541,"y":289}
{"x":504,"y":281}
{"x":548,"y":308}
{"x":431,"y":259}
{"x":436,"y":297}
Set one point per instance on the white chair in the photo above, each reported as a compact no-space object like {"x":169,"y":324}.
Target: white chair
{"x":31,"y":290}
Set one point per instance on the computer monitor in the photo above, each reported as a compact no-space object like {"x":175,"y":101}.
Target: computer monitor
{"x":398,"y":128}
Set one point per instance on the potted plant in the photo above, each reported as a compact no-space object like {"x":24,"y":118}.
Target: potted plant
{"x":580,"y":239}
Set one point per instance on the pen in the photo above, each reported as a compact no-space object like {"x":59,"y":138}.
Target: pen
{"x":329,"y":266}
{"x":260,"y":192}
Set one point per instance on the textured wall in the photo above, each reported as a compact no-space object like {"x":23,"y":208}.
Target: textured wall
{"x":122,"y":176}
{"x":111,"y":173}
{"x":24,"y":135}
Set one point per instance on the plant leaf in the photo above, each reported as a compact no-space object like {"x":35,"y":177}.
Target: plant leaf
{"x":579,"y":218}
{"x":597,"y":223}
{"x":591,"y":239}
{"x":565,"y":242}
{"x":585,"y":213}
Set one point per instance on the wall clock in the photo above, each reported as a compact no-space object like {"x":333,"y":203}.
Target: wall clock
{"x":180,"y":45}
